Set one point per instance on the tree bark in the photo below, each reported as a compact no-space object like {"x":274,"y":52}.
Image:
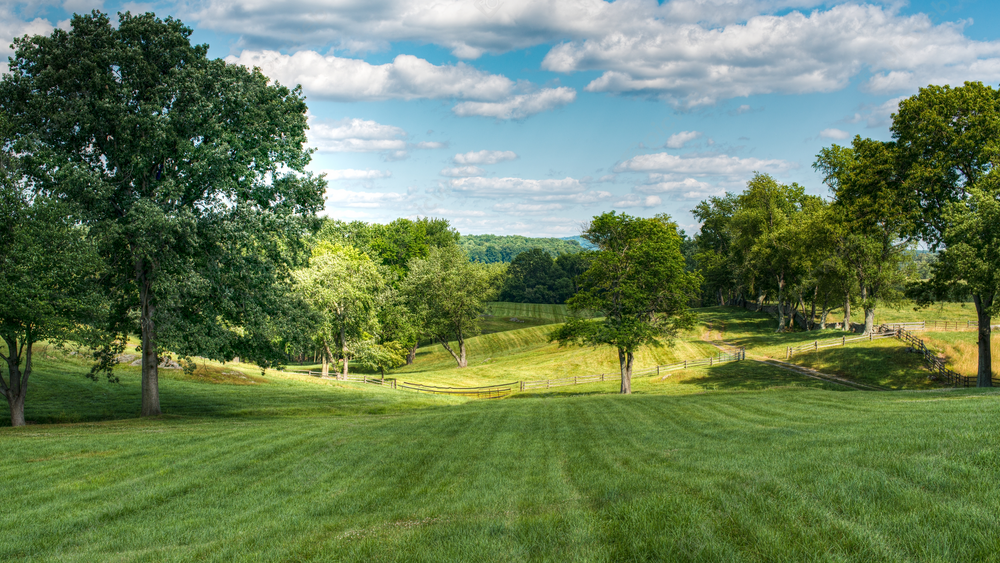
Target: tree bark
{"x":869,"y":320}
{"x":18,"y":388}
{"x":412,"y":355}
{"x":781,"y":303}
{"x":625,"y":360}
{"x":812,"y":314}
{"x":343,"y":349}
{"x":150,"y":360}
{"x":459,"y":359}
{"x":826,"y":310}
{"x":325,"y":352}
{"x":802,"y":308}
{"x":847,"y":310}
{"x":984,"y":377}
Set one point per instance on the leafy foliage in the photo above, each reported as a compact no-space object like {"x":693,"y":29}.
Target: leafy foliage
{"x":637,"y":279}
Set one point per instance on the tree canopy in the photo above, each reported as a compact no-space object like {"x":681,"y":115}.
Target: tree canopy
{"x":637,"y":279}
{"x":178,"y":165}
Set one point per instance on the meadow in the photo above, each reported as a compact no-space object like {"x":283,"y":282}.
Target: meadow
{"x":739,"y":462}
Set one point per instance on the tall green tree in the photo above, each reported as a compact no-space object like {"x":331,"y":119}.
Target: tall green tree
{"x":949,"y":139}
{"x":637,"y":279}
{"x":449,"y":294}
{"x":179,"y":164}
{"x":766,"y":229}
{"x":344,"y":287}
{"x":877,"y":217}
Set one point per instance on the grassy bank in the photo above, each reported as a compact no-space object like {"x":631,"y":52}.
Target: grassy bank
{"x":754,"y":476}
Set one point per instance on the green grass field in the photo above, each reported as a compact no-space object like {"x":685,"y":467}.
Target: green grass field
{"x":739,"y":462}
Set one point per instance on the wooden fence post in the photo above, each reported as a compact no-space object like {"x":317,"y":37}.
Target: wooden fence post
{"x":815,"y":345}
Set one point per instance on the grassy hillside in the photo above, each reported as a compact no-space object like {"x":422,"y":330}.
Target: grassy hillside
{"x":534,"y":311}
{"x":59,"y":392}
{"x":758,"y":476}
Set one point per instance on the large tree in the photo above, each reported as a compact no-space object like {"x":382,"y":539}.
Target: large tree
{"x":449,"y":294}
{"x":637,"y":279}
{"x":181,"y":165}
{"x":949,"y":139}
{"x":876,"y":217}
{"x":767,"y":236}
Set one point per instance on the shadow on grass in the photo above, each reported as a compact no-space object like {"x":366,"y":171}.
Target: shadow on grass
{"x":885,"y":363}
{"x":750,"y":375}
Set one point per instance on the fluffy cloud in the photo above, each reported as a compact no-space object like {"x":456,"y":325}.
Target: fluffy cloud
{"x":484,"y":157}
{"x":361,"y":135}
{"x":406,"y":77}
{"x":835,"y":134}
{"x":637,"y":200}
{"x":689,"y":52}
{"x":582,"y":197}
{"x":876,"y":115}
{"x":518,"y":107}
{"x":701,"y":165}
{"x":347,"y":198}
{"x":463,"y":171}
{"x":688,"y":188}
{"x":352,"y":174}
{"x":502,"y":187}
{"x":527,"y":207}
{"x":692,"y":65}
{"x":678,"y":140}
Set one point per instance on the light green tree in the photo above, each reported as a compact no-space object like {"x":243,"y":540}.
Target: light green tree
{"x":188,"y":171}
{"x":343,"y":287}
{"x":638,"y":281}
{"x":448,"y":293}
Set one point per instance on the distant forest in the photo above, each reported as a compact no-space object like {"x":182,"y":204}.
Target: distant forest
{"x":491,"y":249}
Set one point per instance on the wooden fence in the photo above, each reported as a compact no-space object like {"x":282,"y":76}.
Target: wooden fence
{"x":721,"y":358}
{"x":842,"y":341}
{"x":391,"y":383}
{"x":933,"y":325}
{"x":935,"y":363}
{"x":486,"y":392}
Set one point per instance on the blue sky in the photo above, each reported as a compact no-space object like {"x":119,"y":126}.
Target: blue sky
{"x":531,"y":116}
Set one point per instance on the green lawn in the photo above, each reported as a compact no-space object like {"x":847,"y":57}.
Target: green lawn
{"x":792,"y":475}
{"x":738,"y":462}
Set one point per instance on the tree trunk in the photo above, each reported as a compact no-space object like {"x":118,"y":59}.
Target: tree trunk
{"x":847,"y":310}
{"x":460,"y":360}
{"x":722,"y":300}
{"x":343,"y":349}
{"x":781,"y":302}
{"x":625,"y":360}
{"x":325,"y":352}
{"x":812,"y":314}
{"x":826,"y":311}
{"x":18,"y":388}
{"x":412,"y":355}
{"x":150,"y":359}
{"x":802,"y":309}
{"x":984,"y":377}
{"x":869,"y":320}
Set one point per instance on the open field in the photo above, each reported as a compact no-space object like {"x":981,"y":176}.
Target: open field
{"x":753,"y":476}
{"x":537,"y":311}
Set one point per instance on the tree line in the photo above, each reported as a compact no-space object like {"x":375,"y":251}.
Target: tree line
{"x":933,"y":185}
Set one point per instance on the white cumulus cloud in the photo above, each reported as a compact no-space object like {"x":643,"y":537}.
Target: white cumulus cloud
{"x":502,"y":187}
{"x":463,"y":171}
{"x":678,"y":140}
{"x":353,"y":174}
{"x":520,"y":106}
{"x":484,"y":157}
{"x":638,"y":200}
{"x":835,"y":134}
{"x":701,"y":165}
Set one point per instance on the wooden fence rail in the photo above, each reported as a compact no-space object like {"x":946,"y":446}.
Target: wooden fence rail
{"x":722,"y":358}
{"x":936,"y":364}
{"x":933,"y":325}
{"x":842,"y":341}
